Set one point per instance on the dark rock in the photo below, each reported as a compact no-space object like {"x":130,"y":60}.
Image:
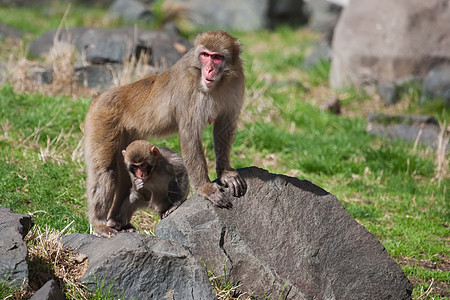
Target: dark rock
{"x":410,"y":128}
{"x":321,"y":52}
{"x":412,"y":120}
{"x":40,"y":75}
{"x":9,"y":32}
{"x":389,"y":92}
{"x":242,"y":15}
{"x":33,"y":3}
{"x":165,"y":48}
{"x":115,"y":45}
{"x":139,"y":266}
{"x":96,"y":76}
{"x":13,"y":250}
{"x":289,"y":12}
{"x":42,"y":45}
{"x":106,"y":47}
{"x":323,"y":17}
{"x":287,"y":238}
{"x":49,"y":291}
{"x":403,"y":38}
{"x":437,"y":85}
{"x":96,"y":3}
{"x":131,"y":10}
{"x":112,"y":47}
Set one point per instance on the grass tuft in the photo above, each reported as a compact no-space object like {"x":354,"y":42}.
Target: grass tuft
{"x":48,"y":259}
{"x":18,"y":72}
{"x":442,"y":169}
{"x":225,"y":288}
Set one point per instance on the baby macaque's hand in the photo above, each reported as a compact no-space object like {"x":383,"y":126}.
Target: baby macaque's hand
{"x":139,"y":183}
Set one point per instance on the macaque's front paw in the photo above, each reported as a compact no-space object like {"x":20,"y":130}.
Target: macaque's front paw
{"x":235,"y":182}
{"x":214,"y":193}
{"x":104,"y":231}
{"x":170,"y":210}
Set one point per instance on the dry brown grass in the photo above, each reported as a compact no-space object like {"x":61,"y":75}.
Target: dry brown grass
{"x":18,"y":72}
{"x":442,"y":169}
{"x":258,"y":106}
{"x":47,"y":260}
{"x":146,"y":221}
{"x":26,"y":75}
{"x":133,"y":69}
{"x":57,"y":150}
{"x":61,"y":58}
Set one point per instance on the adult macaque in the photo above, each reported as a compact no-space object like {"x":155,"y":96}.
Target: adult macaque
{"x":206,"y":85}
{"x":159,"y":181}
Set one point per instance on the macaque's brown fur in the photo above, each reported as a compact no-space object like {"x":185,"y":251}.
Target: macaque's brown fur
{"x":206,"y":84}
{"x":163,"y":183}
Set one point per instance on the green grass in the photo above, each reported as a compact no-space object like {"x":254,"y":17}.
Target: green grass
{"x":388,"y":186}
{"x":38,"y":20}
{"x":34,"y":21}
{"x":6,"y":290}
{"x":51,"y":189}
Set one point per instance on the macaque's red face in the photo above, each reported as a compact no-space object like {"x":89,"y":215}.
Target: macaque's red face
{"x":141,"y":171}
{"x":212,"y":66}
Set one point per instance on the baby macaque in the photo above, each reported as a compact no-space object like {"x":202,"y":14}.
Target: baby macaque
{"x":159,"y":181}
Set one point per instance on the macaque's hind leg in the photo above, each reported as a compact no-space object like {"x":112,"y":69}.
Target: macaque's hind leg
{"x":171,"y":209}
{"x":100,"y":197}
{"x":118,"y":226}
{"x":104,"y":231}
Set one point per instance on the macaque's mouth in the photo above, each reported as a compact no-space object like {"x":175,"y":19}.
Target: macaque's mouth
{"x":209,"y":81}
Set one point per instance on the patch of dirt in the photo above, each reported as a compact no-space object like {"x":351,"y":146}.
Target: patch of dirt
{"x":439,"y":288}
{"x":442,"y":266}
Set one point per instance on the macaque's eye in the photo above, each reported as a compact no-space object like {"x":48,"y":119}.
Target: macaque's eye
{"x":148,"y":168}
{"x":133,"y":169}
{"x":217,"y":58}
{"x":142,"y":167}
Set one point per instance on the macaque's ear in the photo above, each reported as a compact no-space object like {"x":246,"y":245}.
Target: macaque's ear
{"x":124,"y":152}
{"x":154,"y":151}
{"x":238,"y":46}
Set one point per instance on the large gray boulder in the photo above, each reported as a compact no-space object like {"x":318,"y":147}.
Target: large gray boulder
{"x":114,"y":45}
{"x":13,"y":250}
{"x":9,"y":32}
{"x":387,"y":40}
{"x":139,"y":266}
{"x":287,"y":239}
